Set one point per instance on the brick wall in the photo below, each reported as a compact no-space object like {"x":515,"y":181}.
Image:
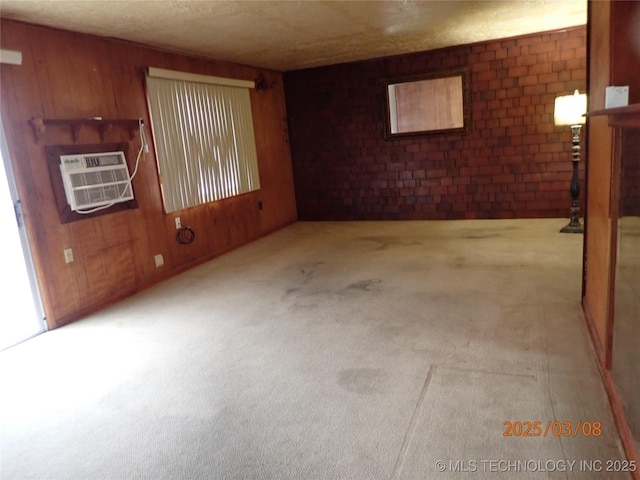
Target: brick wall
{"x":512,"y":162}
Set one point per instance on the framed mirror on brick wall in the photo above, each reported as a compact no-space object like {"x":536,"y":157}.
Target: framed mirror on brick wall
{"x":426,"y":104}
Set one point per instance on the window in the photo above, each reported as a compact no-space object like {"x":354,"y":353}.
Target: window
{"x":426,"y":104}
{"x":203,"y":134}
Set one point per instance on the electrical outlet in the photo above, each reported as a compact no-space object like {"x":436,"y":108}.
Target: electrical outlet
{"x":68,"y":255}
{"x":178,"y":223}
{"x":159,"y":259}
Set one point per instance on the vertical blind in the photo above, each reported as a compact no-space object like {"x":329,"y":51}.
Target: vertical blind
{"x":204,"y":139}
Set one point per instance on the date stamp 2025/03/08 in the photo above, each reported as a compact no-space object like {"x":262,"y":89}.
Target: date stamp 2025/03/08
{"x":552,"y":428}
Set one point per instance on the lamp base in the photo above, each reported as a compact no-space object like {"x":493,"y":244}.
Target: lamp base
{"x":572,"y":227}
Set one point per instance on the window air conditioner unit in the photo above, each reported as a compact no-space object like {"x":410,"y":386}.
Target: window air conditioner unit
{"x":95,"y":179}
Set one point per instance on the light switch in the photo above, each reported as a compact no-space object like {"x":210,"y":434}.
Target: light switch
{"x":68,"y":255}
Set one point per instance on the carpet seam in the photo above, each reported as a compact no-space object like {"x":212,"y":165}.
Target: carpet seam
{"x":411,"y":429}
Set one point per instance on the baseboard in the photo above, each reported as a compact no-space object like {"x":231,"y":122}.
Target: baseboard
{"x":622,"y":423}
{"x":595,"y":338}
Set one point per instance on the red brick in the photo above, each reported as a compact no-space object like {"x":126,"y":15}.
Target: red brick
{"x":543,"y":47}
{"x":524,"y":101}
{"x":539,"y":68}
{"x":501,"y":54}
{"x":515,"y":51}
{"x":506,"y":122}
{"x":516,"y":91}
{"x":495,"y":84}
{"x":509,"y":82}
{"x":485,"y":76}
{"x":575,"y":42}
{"x":561,"y":65}
{"x":556,"y":87}
{"x":481,"y":67}
{"x":518,"y":71}
{"x":578,"y":75}
{"x":568,"y":54}
{"x":535,"y":89}
{"x":517,"y":112}
{"x":488,"y":55}
{"x":510,"y":62}
{"x":548,"y":77}
{"x":574,"y":64}
{"x":526,"y":59}
{"x":546,"y":57}
{"x":528,"y":80}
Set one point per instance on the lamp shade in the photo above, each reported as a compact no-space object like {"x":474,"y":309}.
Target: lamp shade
{"x":570,"y":109}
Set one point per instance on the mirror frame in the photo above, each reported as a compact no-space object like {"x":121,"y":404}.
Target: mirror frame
{"x":462,"y":73}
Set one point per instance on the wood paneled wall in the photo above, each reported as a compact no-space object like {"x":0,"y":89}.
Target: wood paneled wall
{"x":598,"y":174}
{"x":68,"y":75}
{"x":612,"y":61}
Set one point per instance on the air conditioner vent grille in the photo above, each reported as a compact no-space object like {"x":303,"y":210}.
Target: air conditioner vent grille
{"x":101,"y":195}
{"x":93,"y":178}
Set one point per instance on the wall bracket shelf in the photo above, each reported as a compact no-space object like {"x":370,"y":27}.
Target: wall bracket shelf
{"x":621,"y":117}
{"x":40,"y":125}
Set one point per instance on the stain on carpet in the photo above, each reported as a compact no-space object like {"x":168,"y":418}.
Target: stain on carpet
{"x":308,"y":270}
{"x":385,"y":242}
{"x":303,"y":275}
{"x":475,"y":234}
{"x":364,"y":285}
{"x":303,"y":307}
{"x":389,"y":332}
{"x":459,"y":261}
{"x":363,"y":381}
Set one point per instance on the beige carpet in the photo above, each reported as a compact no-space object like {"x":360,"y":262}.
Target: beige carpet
{"x":355,"y":350}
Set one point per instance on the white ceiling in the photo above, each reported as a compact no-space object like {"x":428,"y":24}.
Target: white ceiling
{"x":289,"y":35}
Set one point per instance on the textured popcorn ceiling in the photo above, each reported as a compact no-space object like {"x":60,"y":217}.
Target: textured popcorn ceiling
{"x":289,"y":35}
